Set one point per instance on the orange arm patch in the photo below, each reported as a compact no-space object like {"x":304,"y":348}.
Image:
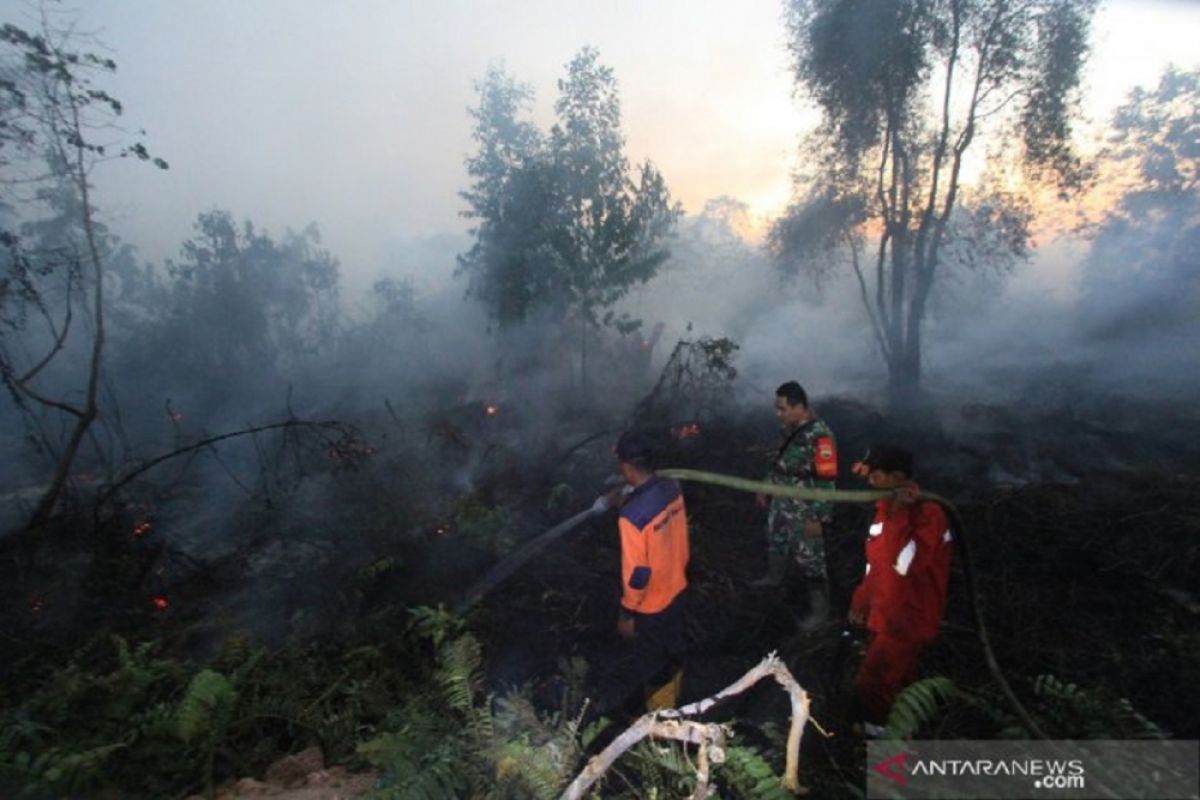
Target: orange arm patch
{"x":826,"y":458}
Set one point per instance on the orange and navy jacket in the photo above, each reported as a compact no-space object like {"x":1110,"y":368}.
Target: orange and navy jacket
{"x":654,"y":546}
{"x":908,"y":569}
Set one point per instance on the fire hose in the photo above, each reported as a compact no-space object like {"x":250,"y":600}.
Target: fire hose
{"x":513,"y":562}
{"x":870,"y":496}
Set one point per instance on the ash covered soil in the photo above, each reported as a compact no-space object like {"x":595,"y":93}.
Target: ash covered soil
{"x":1083,"y":526}
{"x":1084,"y":532}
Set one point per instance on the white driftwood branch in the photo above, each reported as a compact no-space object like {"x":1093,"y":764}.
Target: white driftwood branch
{"x":710,"y":736}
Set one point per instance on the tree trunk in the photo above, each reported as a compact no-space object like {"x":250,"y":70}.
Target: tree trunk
{"x":90,"y":410}
{"x":904,"y":371}
{"x":583,"y":374}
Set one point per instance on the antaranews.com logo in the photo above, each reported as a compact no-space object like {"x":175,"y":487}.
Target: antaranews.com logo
{"x":1000,"y":770}
{"x":1044,"y":773}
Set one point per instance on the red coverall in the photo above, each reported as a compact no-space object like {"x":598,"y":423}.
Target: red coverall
{"x":902,"y":595}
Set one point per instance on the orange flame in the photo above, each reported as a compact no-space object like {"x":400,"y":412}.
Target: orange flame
{"x":688,"y":431}
{"x":161,"y":603}
{"x":142,"y":528}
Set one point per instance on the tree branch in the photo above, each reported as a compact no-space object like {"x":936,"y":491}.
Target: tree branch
{"x":669,"y":724}
{"x":203,"y":443}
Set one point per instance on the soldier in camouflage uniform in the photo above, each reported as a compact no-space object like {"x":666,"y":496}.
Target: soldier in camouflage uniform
{"x":795,"y":528}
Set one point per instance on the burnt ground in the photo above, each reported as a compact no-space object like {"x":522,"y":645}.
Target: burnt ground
{"x":1085,"y":539}
{"x":1083,"y":522}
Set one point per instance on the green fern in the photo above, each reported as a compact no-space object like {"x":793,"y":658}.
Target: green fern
{"x":435,"y":624}
{"x":919,"y":704}
{"x":460,"y":675}
{"x":420,"y":755}
{"x":534,"y":752}
{"x":416,"y":770}
{"x":663,"y":769}
{"x":204,"y":714}
{"x":206,"y":707}
{"x":1091,"y":713}
{"x":750,"y":776}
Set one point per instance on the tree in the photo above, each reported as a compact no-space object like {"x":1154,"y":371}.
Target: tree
{"x":1140,"y":276}
{"x":55,"y":113}
{"x":613,"y":231}
{"x":240,"y":309}
{"x":563,"y":224}
{"x":907,"y":89}
{"x":508,"y":198}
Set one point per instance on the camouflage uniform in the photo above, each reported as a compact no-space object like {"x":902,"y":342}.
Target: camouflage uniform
{"x":808,"y":457}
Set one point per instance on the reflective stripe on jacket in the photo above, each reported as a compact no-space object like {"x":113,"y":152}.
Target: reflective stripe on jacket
{"x":654,"y":546}
{"x":908,"y":570}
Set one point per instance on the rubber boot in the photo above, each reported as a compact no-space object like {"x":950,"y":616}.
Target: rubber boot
{"x":667,"y":695}
{"x":777,"y":564}
{"x":818,"y":606}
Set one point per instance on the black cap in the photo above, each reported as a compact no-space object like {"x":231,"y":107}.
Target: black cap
{"x":635,"y":448}
{"x":889,"y":458}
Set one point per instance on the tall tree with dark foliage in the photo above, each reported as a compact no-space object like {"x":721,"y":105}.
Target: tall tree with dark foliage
{"x":908,"y":89}
{"x":563,"y":222}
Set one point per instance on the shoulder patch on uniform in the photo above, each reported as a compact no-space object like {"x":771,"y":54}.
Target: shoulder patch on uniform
{"x":825,"y":457}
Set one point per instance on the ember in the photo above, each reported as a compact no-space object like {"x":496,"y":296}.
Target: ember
{"x":160,"y":602}
{"x":442,"y":529}
{"x":349,"y":451}
{"x":491,"y":410}
{"x":36,"y":603}
{"x":142,"y":528}
{"x":688,"y":431}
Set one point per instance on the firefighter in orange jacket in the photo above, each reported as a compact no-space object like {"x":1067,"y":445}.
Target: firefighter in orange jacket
{"x":903,"y":594}
{"x":654,"y":556}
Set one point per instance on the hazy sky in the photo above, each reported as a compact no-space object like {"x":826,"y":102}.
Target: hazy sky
{"x":353,"y":114}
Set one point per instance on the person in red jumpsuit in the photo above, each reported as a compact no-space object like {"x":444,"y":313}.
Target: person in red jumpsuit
{"x":903,"y":594}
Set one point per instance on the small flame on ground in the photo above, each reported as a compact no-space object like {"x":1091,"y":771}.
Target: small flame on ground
{"x":688,"y":431}
{"x":491,"y":410}
{"x":142,"y":528}
{"x":159,"y":602}
{"x":442,"y":529}
{"x":36,"y":603}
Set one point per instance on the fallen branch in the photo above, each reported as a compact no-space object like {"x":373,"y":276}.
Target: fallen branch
{"x":154,"y":462}
{"x":710,"y":736}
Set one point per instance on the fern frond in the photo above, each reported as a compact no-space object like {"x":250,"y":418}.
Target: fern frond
{"x":206,"y":707}
{"x":749,"y":773}
{"x":919,"y":704}
{"x":1092,"y":713}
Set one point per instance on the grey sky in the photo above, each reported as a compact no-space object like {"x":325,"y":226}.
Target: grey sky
{"x":353,"y":114}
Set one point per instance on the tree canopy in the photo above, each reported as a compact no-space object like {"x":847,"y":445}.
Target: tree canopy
{"x":562,"y":220}
{"x":907,"y":88}
{"x":1140,"y":276}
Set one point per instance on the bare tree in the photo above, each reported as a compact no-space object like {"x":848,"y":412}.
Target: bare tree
{"x":57,"y":124}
